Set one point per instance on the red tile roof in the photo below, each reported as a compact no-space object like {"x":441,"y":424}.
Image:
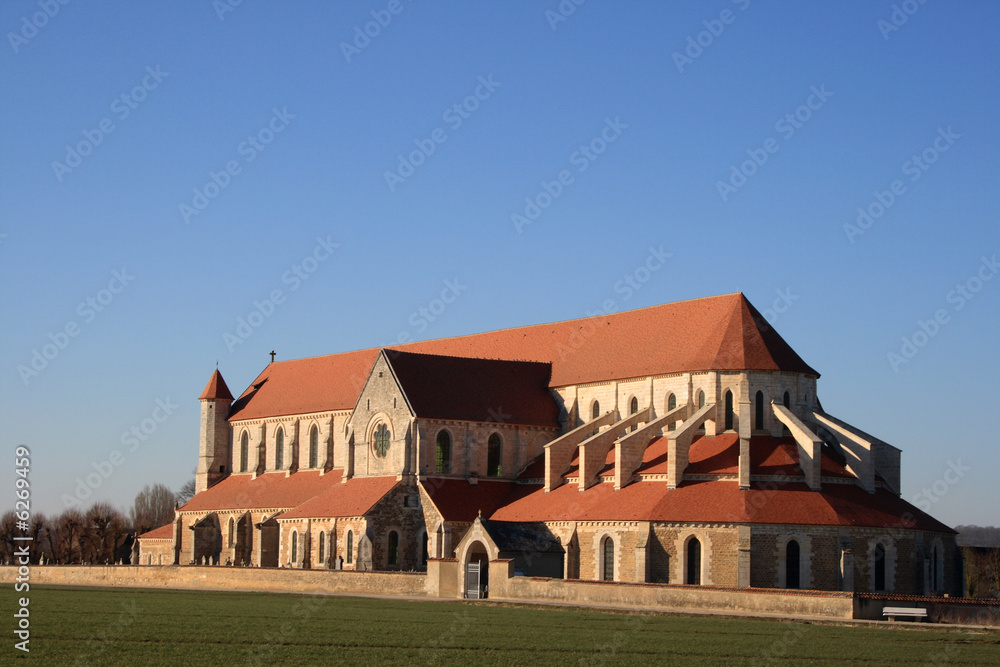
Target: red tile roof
{"x":481,"y":390}
{"x":716,"y":502}
{"x":713,"y":333}
{"x":162,"y":533}
{"x":270,"y":490}
{"x":457,"y":500}
{"x":352,"y":498}
{"x":216,"y":387}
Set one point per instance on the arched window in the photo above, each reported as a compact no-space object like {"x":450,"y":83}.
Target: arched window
{"x":792,"y":564}
{"x":423,"y":549}
{"x":758,"y":415}
{"x":633,"y":408}
{"x":608,"y":557}
{"x":295,"y":540}
{"x":493,"y":458}
{"x":671,"y":405}
{"x":232,"y":531}
{"x":322,"y":546}
{"x":381,"y":439}
{"x":442,"y":458}
{"x":878,"y":566}
{"x":595,"y":412}
{"x":694,"y":562}
{"x":729,"y":410}
{"x":314,"y":447}
{"x":786,"y":400}
{"x":279,"y":449}
{"x":244,"y":451}
{"x":701,"y":399}
{"x":392,"y":548}
{"x":350,"y":546}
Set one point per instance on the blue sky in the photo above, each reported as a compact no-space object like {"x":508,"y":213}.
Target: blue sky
{"x":177,"y":164}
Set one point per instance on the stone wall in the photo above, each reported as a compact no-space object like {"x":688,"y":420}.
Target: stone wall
{"x":225,"y":579}
{"x":660,"y":597}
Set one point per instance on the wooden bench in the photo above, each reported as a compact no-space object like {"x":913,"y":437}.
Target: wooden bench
{"x":913,"y":612}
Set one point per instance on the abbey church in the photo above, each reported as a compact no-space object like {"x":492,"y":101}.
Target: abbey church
{"x":678,"y":444}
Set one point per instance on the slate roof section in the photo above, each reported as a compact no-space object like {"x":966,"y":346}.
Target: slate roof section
{"x":270,"y":490}
{"x":480,"y":390}
{"x":712,"y":333}
{"x":216,"y":388}
{"x":522,"y":537}
{"x":352,"y":498}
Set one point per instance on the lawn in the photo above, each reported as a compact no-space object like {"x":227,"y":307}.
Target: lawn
{"x":109,"y":626}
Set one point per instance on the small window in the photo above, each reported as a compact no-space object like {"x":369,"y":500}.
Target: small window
{"x":244,"y":451}
{"x":294,"y":545}
{"x":595,"y":412}
{"x":442,"y":457}
{"x":729,"y":410}
{"x":423,"y":549}
{"x":608,"y":548}
{"x":279,"y":449}
{"x":759,"y":411}
{"x":350,"y":546}
{"x":232,"y":531}
{"x":633,"y":408}
{"x":701,"y":399}
{"x":493,"y":456}
{"x":314,"y":447}
{"x":381,"y":440}
{"x":786,"y":400}
{"x":671,"y":405}
{"x":322,"y":546}
{"x":392,"y":548}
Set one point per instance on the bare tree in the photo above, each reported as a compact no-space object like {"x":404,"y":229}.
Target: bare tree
{"x":153,"y":507}
{"x":71,"y":526}
{"x":107,"y":530}
{"x":8,"y":525}
{"x":186,"y":492}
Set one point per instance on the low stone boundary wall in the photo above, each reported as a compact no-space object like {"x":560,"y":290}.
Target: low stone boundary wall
{"x":219,"y":578}
{"x":695,"y":598}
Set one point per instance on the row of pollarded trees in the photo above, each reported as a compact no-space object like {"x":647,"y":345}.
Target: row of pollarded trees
{"x":99,"y":534}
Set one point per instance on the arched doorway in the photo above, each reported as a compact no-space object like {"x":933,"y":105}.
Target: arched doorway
{"x":477,"y":571}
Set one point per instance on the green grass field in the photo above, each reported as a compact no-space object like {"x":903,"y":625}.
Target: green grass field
{"x":80,"y":626}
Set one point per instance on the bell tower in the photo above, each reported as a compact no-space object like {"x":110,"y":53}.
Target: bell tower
{"x":214,"y":453}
